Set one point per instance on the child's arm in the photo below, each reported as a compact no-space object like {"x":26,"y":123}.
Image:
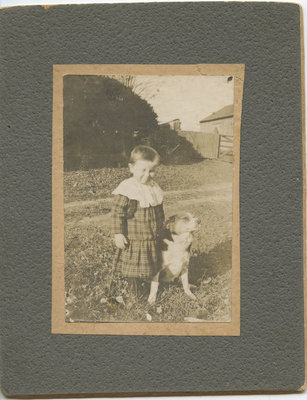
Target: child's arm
{"x":119,"y":220}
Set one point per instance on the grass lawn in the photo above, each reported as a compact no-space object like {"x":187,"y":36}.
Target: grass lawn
{"x":95,"y":293}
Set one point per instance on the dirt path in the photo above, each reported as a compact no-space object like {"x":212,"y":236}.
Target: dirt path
{"x":173,"y":199}
{"x":205,"y":190}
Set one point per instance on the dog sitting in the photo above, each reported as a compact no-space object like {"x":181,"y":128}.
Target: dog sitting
{"x":176,"y":246}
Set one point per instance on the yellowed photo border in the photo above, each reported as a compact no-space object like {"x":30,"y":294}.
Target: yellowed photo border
{"x":59,"y":326}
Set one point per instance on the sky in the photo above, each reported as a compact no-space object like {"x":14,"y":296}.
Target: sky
{"x":189,"y":98}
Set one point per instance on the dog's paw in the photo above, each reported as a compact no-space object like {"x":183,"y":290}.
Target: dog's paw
{"x":151,"y":301}
{"x":148,"y":317}
{"x":191,"y":295}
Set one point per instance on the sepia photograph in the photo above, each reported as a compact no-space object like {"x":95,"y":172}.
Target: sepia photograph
{"x":148,"y":183}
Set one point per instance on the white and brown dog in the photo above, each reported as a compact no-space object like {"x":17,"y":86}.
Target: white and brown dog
{"x":176,"y":247}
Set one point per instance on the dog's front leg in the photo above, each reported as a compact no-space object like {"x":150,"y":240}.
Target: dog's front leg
{"x":186,"y":286}
{"x":153,"y":289}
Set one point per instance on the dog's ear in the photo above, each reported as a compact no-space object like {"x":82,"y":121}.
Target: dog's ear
{"x":170,"y":223}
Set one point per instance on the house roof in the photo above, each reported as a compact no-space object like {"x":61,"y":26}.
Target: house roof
{"x":168,"y":122}
{"x":225,"y":112}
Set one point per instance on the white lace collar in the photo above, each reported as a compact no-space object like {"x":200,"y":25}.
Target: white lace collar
{"x":147,"y":195}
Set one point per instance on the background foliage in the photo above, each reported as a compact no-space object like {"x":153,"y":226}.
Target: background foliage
{"x":104,"y":119}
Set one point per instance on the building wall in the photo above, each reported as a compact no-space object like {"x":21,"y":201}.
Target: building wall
{"x":176,"y":124}
{"x":206,"y":144}
{"x":220,"y":126}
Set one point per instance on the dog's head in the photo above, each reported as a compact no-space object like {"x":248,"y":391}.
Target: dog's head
{"x":182,"y":223}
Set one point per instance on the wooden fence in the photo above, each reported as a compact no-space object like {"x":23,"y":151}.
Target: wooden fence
{"x":211,"y":145}
{"x":226,"y":148}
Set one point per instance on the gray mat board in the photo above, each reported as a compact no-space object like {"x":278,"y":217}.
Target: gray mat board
{"x":269,"y":354}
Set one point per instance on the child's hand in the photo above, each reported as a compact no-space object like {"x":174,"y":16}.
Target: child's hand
{"x":120,"y":241}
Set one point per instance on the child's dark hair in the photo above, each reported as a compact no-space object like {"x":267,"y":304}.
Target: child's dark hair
{"x":144,"y":153}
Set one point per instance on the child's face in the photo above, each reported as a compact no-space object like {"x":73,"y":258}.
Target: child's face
{"x":143,"y":170}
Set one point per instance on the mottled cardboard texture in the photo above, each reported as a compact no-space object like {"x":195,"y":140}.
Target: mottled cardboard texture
{"x":269,"y":353}
{"x":303,"y":387}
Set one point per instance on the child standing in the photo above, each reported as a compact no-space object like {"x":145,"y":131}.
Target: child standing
{"x":137,"y":219}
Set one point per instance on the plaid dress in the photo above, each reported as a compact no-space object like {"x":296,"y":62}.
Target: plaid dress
{"x":142,"y":227}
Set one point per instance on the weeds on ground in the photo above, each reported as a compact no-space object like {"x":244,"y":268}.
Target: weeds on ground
{"x":95,"y":292}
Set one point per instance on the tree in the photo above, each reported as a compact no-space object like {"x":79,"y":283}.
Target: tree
{"x":102,"y":118}
{"x":131,"y":82}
